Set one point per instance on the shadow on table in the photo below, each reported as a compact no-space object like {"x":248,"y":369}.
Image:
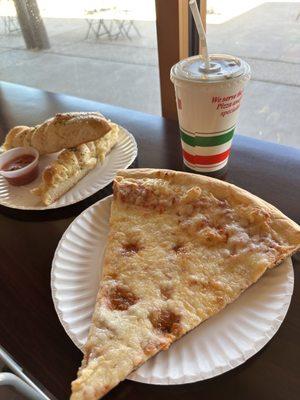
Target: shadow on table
{"x":54,"y":214}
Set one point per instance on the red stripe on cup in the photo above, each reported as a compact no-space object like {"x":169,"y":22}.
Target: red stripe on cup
{"x":206,"y":160}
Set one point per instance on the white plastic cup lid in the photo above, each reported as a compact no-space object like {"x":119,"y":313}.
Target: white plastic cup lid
{"x":222,"y":67}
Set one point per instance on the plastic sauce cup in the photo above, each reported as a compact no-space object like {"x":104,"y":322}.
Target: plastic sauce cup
{"x":24,"y":175}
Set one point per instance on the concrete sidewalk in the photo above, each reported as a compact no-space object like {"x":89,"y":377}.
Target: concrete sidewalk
{"x":125,"y":72}
{"x":121,"y":72}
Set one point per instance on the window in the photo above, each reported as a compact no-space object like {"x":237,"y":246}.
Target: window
{"x":103,"y":50}
{"x":267,"y":36}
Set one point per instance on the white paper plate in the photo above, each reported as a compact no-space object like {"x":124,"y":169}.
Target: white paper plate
{"x":216,"y":346}
{"x":121,"y":156}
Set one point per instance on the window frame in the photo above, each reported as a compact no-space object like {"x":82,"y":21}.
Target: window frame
{"x":176,"y":39}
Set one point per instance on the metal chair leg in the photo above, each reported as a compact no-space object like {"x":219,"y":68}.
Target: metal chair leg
{"x":106,"y":29}
{"x":89,"y":22}
{"x":97,"y":31}
{"x":133,"y":26}
{"x":120,"y":25}
{"x":11,"y":380}
{"x":136,"y":29}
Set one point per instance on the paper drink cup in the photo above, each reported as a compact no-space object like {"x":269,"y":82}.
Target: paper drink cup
{"x":208,"y":103}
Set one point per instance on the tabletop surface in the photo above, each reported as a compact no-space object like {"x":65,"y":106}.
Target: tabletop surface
{"x":29,"y":328}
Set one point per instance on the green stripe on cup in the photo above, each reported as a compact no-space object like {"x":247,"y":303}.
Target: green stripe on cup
{"x":206,"y":141}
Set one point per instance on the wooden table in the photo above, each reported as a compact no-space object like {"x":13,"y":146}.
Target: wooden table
{"x":29,"y":328}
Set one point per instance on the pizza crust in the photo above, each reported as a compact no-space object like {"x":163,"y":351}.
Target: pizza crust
{"x":234,"y":194}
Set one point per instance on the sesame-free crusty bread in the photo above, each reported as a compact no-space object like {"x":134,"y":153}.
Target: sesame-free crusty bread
{"x":60,"y":132}
{"x":72,"y":165}
{"x":180,"y":248}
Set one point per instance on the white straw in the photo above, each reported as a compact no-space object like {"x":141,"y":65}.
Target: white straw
{"x":201,"y":32}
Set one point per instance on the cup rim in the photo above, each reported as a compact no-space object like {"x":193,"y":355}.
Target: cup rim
{"x":246,"y":74}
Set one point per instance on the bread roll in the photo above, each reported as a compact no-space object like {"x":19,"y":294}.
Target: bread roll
{"x":72,"y":165}
{"x":60,"y":132}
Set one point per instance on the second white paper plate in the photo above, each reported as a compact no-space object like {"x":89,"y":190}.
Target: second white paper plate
{"x":216,"y":346}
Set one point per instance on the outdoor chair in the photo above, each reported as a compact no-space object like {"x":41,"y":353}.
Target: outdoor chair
{"x":113,"y":22}
{"x":8,"y":18}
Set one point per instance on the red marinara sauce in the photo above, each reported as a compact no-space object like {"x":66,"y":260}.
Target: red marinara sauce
{"x":17,"y":164}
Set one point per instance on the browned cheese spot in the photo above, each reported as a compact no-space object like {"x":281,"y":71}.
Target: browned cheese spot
{"x":203,"y":203}
{"x":166,"y":292}
{"x":179,"y":248}
{"x":220,"y":301}
{"x":91,"y":355}
{"x":222,"y":235}
{"x":112,"y":275}
{"x":150,"y":349}
{"x":129,"y":249}
{"x":121,"y":298}
{"x":193,"y":281}
{"x":222,"y":203}
{"x":166,"y":322}
{"x":153,"y":347}
{"x":209,"y":285}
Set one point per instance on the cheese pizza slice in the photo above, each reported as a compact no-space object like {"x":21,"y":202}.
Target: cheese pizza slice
{"x":180,"y":248}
